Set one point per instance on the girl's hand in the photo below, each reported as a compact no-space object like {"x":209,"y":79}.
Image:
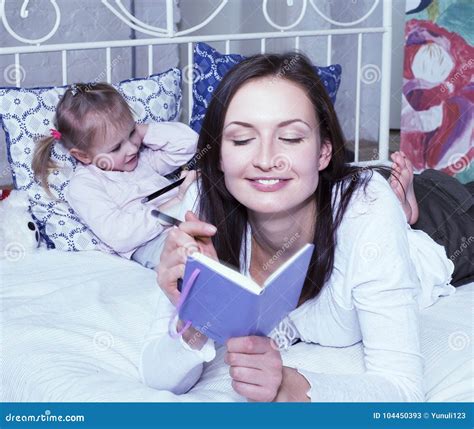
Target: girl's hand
{"x":255,"y":367}
{"x":192,"y":235}
{"x":190,"y":177}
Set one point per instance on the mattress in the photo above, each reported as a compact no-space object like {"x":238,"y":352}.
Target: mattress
{"x":73,"y":325}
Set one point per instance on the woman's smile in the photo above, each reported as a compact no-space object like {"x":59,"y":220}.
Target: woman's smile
{"x":268,"y":184}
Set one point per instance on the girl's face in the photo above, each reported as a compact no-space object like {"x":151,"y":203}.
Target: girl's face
{"x":270,"y":153}
{"x":118,"y":151}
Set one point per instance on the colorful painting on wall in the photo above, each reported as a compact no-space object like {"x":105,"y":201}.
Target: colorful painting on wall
{"x":437,"y":125}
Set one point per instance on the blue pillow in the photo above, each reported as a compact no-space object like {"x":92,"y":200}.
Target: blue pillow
{"x":28,"y":113}
{"x":210,"y":67}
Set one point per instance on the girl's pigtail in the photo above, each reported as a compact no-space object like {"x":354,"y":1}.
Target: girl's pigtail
{"x":42,"y":163}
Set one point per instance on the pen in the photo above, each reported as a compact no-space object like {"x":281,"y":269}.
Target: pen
{"x":166,"y":218}
{"x":163,"y":190}
{"x":173,"y":221}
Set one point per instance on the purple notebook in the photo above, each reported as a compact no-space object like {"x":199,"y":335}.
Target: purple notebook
{"x":222,"y":303}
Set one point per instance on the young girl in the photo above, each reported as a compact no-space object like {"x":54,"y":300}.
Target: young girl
{"x":120,"y":163}
{"x":369,"y":273}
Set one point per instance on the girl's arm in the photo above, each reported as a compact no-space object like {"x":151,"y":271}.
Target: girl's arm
{"x":123,"y":229}
{"x":172,"y":144}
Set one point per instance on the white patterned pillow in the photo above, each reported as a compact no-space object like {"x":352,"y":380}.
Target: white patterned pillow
{"x":27,"y":114}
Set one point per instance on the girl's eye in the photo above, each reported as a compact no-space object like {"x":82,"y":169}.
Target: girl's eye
{"x":295,"y":140}
{"x":117,"y":148}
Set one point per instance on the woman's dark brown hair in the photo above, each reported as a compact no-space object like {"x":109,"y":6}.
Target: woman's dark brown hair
{"x":220,"y":208}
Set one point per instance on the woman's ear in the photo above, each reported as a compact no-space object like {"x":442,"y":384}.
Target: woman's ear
{"x":80,"y":155}
{"x":325,"y":155}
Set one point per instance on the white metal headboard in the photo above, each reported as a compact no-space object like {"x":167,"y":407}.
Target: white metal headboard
{"x":169,"y":35}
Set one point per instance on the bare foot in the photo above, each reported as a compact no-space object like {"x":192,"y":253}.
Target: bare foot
{"x":401,"y":182}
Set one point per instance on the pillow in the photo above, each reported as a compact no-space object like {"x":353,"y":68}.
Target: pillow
{"x":27,"y":114}
{"x":210,"y":67}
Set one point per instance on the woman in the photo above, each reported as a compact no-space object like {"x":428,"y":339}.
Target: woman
{"x":273,"y":171}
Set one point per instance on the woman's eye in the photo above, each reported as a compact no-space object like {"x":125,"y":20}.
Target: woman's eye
{"x":292,"y":140}
{"x":241,"y":142}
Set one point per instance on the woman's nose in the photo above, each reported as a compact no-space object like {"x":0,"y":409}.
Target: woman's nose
{"x":264,"y":156}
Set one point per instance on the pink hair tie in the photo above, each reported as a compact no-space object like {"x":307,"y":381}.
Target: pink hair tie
{"x":56,"y":134}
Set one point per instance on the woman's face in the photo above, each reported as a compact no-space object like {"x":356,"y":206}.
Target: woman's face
{"x":270,"y":154}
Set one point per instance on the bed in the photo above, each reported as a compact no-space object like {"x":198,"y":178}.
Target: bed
{"x":75,"y":335}
{"x":73,"y":318}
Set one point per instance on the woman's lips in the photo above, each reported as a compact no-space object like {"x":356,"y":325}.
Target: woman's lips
{"x":268,"y":184}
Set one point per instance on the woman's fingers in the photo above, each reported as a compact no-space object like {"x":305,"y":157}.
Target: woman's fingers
{"x":256,"y":367}
{"x":252,"y":344}
{"x":253,"y":392}
{"x":167,"y":281}
{"x":245,"y":360}
{"x":196,"y":227}
{"x":202,"y":233}
{"x":247,"y":375}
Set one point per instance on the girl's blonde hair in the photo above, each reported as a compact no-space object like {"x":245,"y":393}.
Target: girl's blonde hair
{"x":83,"y":116}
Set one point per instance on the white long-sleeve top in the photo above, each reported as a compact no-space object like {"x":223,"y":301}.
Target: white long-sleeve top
{"x":373,"y":296}
{"x":109,"y":202}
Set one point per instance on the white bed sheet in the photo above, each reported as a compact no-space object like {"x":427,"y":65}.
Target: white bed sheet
{"x":72,"y":326}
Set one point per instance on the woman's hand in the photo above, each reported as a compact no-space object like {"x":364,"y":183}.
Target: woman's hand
{"x":255,"y":367}
{"x":293,"y":387}
{"x":192,"y":235}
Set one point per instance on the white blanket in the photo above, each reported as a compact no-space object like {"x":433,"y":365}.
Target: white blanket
{"x":73,"y":325}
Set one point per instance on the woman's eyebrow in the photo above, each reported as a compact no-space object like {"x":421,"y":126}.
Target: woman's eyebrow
{"x":243,"y":124}
{"x":291,"y":121}
{"x":281,"y":124}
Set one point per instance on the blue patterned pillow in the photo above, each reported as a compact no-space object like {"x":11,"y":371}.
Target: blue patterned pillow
{"x":27,"y":114}
{"x":210,"y":67}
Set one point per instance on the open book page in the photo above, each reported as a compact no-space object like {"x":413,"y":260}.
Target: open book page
{"x":228,"y":272}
